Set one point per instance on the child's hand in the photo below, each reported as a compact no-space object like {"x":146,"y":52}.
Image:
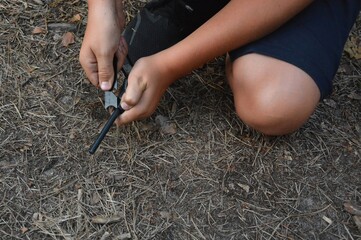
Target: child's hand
{"x":147,"y":83}
{"x":102,"y":41}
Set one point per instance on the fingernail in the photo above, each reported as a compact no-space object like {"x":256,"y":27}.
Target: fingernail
{"x":125,"y":106}
{"x":105,"y":86}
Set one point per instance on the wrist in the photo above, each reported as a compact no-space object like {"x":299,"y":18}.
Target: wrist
{"x":100,"y":9}
{"x":97,"y":3}
{"x":168,"y":71}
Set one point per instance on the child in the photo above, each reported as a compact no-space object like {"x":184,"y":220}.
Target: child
{"x":282,"y":55}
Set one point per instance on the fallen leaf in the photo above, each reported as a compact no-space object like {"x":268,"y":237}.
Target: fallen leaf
{"x":75,"y":18}
{"x":353,"y":47}
{"x":38,"y":30}
{"x":24,"y":230}
{"x":68,"y":38}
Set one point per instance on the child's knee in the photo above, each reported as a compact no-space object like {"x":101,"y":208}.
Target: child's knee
{"x":268,"y":118}
{"x":272,"y":97}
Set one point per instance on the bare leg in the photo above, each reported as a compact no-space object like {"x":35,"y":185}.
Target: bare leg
{"x":270,"y":95}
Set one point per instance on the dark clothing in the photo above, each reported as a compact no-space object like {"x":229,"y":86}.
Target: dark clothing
{"x":313,"y":40}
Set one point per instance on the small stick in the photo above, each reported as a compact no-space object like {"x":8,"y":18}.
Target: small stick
{"x":105,"y":129}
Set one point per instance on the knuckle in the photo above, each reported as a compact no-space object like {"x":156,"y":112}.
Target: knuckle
{"x":104,"y":75}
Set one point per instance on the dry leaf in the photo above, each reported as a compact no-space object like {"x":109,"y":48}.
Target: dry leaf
{"x":75,"y":18}
{"x":68,"y":38}
{"x":24,"y":230}
{"x":353,"y":47}
{"x":38,"y":30}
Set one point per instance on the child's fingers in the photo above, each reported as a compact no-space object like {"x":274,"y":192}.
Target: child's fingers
{"x":133,"y":93}
{"x":88,"y":62}
{"x":139,"y":111}
{"x":105,"y":72}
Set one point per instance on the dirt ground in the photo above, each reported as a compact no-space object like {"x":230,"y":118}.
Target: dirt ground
{"x":191,"y":171}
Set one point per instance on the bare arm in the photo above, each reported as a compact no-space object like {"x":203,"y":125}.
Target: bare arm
{"x":238,"y":23}
{"x":102,"y":41}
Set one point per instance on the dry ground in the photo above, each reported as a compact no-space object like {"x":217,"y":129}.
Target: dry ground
{"x":213,"y":178}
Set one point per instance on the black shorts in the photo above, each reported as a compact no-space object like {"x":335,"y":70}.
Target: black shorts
{"x":312,"y":41}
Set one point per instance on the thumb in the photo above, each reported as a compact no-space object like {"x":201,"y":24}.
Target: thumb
{"x":133,"y":93}
{"x":105,"y":72}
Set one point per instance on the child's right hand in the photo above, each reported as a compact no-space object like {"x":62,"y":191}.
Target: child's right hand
{"x":147,"y":82}
{"x":102,"y":41}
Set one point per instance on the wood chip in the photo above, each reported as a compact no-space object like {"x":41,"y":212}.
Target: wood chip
{"x":24,"y":230}
{"x":75,"y":18}
{"x":328,"y":220}
{"x":38,"y":30}
{"x":244,"y":187}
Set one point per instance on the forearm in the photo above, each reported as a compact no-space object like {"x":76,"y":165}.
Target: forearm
{"x":102,"y":40}
{"x":97,"y":9}
{"x":238,"y":23}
